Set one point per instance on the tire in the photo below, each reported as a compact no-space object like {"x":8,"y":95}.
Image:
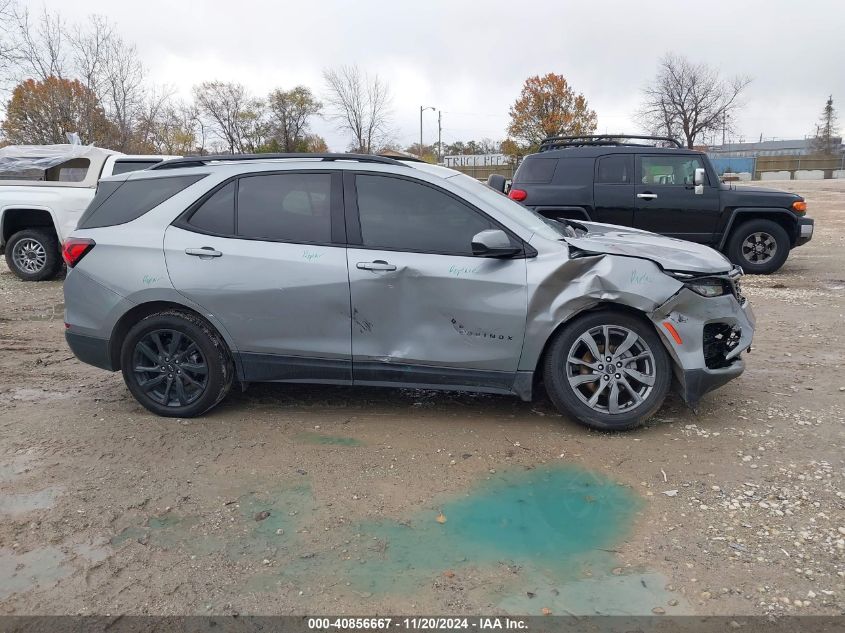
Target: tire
{"x":33,"y":255}
{"x":167,"y":340}
{"x":497,"y":182}
{"x":759,"y":246}
{"x":652,"y":365}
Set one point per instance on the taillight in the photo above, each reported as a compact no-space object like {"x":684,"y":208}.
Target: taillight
{"x":74,"y":249}
{"x":517,"y":194}
{"x":799,"y":206}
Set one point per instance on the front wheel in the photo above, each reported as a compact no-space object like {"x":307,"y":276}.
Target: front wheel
{"x":176,"y":365}
{"x":759,"y":246}
{"x":608,"y":369}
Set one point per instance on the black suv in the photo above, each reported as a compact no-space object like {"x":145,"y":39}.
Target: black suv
{"x":662,"y":188}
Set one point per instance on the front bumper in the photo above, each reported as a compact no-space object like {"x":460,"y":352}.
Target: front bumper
{"x":723,"y":326}
{"x":805,"y":231}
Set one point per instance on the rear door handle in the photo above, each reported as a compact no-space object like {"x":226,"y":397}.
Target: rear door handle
{"x":647,"y":196}
{"x":205,"y":251}
{"x":379,"y":264}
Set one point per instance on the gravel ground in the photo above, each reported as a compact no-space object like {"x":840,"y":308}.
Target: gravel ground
{"x":293,"y":499}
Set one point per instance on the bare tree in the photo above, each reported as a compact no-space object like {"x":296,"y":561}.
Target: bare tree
{"x":690,"y":100}
{"x":290,"y":111}
{"x":233,"y":115}
{"x":359,"y":105}
{"x":123,"y":91}
{"x":39,"y":44}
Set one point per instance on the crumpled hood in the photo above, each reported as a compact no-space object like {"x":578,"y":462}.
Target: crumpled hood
{"x":667,"y":252}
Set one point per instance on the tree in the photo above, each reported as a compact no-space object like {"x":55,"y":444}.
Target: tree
{"x":290,"y":111}
{"x":548,"y":106}
{"x":689,"y":100}
{"x":233,"y":115}
{"x":43,"y":112}
{"x":428,"y":153}
{"x":359,"y":105}
{"x":826,"y":140}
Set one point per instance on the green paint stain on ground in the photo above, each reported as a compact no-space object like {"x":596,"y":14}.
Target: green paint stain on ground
{"x":329,"y":440}
{"x":547,"y":531}
{"x":546,"y":518}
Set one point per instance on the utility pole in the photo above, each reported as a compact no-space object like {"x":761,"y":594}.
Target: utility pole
{"x":439,"y":136}
{"x":423,"y":109}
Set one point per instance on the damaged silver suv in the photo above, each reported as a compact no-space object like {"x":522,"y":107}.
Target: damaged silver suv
{"x":365,"y":270}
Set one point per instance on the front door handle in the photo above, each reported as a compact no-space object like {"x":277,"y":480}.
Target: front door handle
{"x":205,"y":251}
{"x":647,"y":196}
{"x":379,"y":264}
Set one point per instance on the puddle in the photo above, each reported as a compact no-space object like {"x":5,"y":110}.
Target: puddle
{"x":15,"y":504}
{"x":40,"y":568}
{"x":328,"y":440}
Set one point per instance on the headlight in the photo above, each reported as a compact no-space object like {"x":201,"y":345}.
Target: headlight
{"x":709,"y":287}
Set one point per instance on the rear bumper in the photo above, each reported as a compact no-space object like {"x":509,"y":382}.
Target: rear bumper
{"x":91,"y":350}
{"x":805,"y":231}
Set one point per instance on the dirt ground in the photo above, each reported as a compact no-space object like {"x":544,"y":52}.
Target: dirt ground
{"x":307,"y":500}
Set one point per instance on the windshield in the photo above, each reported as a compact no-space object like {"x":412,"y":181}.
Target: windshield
{"x":525,"y":217}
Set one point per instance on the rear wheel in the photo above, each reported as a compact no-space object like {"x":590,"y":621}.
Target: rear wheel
{"x":608,"y":369}
{"x":176,"y":365}
{"x":759,"y":246}
{"x":33,"y":255}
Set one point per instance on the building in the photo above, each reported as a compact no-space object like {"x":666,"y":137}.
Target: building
{"x":794,"y":147}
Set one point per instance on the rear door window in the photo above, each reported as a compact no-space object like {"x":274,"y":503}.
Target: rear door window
{"x":536,"y":170}
{"x":121,"y":202}
{"x":292,"y":207}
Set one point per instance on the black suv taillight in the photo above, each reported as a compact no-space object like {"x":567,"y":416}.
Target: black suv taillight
{"x":75,"y":248}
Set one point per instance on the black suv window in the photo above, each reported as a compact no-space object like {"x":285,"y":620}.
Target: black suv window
{"x":291,"y":207}
{"x":217,"y":214}
{"x":123,"y":166}
{"x":616,"y":169}
{"x":669,"y":169}
{"x":403,"y":215}
{"x":536,"y":170}
{"x":127,"y":200}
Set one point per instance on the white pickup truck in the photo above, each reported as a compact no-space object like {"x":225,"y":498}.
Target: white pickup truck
{"x":44,"y":190}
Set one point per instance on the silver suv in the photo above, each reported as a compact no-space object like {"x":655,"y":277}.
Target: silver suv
{"x":346,"y":269}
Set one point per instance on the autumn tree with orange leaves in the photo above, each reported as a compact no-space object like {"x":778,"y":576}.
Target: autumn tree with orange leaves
{"x":547,"y":106}
{"x":45,"y":111}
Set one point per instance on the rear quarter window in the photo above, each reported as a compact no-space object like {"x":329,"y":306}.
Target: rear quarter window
{"x":574,"y":171}
{"x":123,"y":201}
{"x":536,"y":170}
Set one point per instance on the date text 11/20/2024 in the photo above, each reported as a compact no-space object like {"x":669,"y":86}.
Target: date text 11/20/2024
{"x":418,"y":623}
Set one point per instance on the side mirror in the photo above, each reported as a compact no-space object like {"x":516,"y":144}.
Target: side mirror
{"x":497,"y":182}
{"x":699,"y":179}
{"x":493,"y":243}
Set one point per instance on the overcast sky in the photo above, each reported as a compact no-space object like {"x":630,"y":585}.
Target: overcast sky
{"x":469,"y":59}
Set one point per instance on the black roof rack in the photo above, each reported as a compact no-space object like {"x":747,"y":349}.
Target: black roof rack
{"x":554,"y":142}
{"x":199,"y":161}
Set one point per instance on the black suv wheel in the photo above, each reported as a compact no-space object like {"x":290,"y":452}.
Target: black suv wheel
{"x":759,"y":246}
{"x":33,"y":255}
{"x":176,"y":365}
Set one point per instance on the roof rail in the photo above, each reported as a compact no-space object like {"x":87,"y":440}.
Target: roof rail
{"x":554,"y":142}
{"x":199,"y":161}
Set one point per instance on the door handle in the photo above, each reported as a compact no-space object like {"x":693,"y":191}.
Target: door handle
{"x":205,"y":251}
{"x":379,"y":264}
{"x":647,"y":196}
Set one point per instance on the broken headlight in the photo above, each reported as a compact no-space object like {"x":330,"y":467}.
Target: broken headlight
{"x":709,"y":287}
